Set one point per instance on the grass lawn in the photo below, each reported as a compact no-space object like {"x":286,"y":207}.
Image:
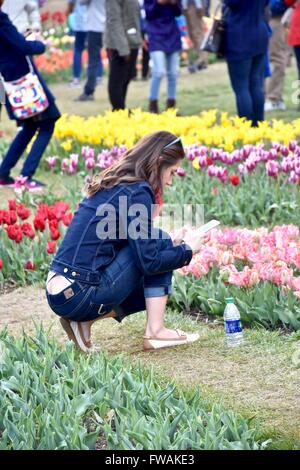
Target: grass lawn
{"x":207,"y":89}
{"x":257,"y":380}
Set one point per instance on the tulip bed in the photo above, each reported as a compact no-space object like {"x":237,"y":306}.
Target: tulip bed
{"x":249,"y":180}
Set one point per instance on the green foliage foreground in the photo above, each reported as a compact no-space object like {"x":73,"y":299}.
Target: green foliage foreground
{"x":55,"y":398}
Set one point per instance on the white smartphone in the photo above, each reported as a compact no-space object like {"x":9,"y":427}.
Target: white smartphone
{"x":207,"y":227}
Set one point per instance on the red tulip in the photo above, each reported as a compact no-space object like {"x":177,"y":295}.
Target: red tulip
{"x":23,"y":212}
{"x":53,"y":224}
{"x":4,"y":217}
{"x":30,"y":266}
{"x":67,"y":219}
{"x":12,"y":205}
{"x":27,"y":230}
{"x":209,"y":161}
{"x":1,"y":264}
{"x":14,"y":232}
{"x":13,"y":217}
{"x":51,"y":247}
{"x":39,"y":223}
{"x":235,"y":180}
{"x":54,"y":234}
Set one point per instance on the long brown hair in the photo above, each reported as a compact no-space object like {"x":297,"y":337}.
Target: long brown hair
{"x":143,"y":162}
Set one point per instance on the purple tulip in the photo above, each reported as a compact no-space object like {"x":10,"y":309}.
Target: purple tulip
{"x":73,"y":161}
{"x":292,"y":145}
{"x":64,"y":164}
{"x":90,"y":163}
{"x":272,"y":168}
{"x":51,"y":161}
{"x":181,"y":172}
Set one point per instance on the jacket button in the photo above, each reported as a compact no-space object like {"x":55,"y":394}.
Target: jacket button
{"x":65,"y":270}
{"x":73,"y":273}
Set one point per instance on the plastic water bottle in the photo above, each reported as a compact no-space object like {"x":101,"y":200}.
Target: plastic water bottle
{"x":232,"y":324}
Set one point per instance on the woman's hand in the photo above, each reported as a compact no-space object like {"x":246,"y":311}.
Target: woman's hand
{"x":194,"y":241}
{"x":178,"y":235}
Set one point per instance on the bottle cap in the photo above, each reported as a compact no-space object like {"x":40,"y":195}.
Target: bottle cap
{"x":229,"y":300}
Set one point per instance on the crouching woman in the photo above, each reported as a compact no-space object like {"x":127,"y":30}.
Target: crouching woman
{"x":112,"y":261}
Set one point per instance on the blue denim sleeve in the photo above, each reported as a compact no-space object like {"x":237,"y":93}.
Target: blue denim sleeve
{"x":148,"y":252}
{"x":9,"y":33}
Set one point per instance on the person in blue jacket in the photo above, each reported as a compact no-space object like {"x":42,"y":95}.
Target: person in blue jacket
{"x":246,"y":44}
{"x":112,"y":261}
{"x":164,"y":46}
{"x":14,"y":50}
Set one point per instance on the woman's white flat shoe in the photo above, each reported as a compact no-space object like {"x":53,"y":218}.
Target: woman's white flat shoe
{"x":151,"y":342}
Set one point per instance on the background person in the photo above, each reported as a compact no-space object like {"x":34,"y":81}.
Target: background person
{"x":194,"y":12}
{"x":24,"y":14}
{"x":79,"y":27}
{"x":278,"y":53}
{"x":246,"y":44}
{"x":294,"y":36}
{"x":164,"y":47}
{"x":13,"y":65}
{"x":123,"y":39}
{"x":95,"y":27}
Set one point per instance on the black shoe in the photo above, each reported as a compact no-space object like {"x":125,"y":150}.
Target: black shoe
{"x":202,"y":66}
{"x":84,"y":97}
{"x":8,"y":181}
{"x":39,"y":183}
{"x":192,"y":68}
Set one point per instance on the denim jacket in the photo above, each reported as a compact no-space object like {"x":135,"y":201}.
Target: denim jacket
{"x":109,"y":221}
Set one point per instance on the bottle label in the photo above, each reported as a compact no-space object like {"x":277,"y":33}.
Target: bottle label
{"x":233,"y":326}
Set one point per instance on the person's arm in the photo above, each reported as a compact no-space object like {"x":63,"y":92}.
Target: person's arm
{"x":118,"y":39}
{"x":9,"y":33}
{"x":232,"y":3}
{"x":71,"y":6}
{"x":148,"y":256}
{"x":33,"y":12}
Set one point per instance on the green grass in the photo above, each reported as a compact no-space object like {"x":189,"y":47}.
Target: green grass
{"x":54,"y":399}
{"x":258,"y":380}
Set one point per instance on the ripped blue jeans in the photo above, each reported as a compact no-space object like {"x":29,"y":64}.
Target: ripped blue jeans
{"x":122,"y":288}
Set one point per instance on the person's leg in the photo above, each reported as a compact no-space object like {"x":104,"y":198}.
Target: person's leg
{"x":100,"y":66}
{"x":129,"y":72}
{"x":196,"y":30}
{"x":172,"y":73}
{"x":239,"y":73}
{"x":257,"y":88}
{"x":117,"y":67}
{"x":80,"y":38}
{"x":145,"y":60}
{"x":17,"y":147}
{"x":297,"y":54}
{"x":45,"y":131}
{"x":191,"y":32}
{"x":159,"y":70}
{"x":94,"y":48}
{"x":278,"y":60}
